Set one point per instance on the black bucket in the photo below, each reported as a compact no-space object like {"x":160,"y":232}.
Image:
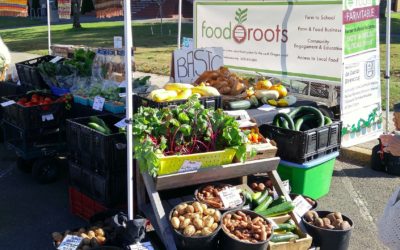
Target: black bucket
{"x":293,"y":196}
{"x":194,"y":242}
{"x":392,"y":164}
{"x":229,"y":243}
{"x":222,"y":210}
{"x":328,"y":239}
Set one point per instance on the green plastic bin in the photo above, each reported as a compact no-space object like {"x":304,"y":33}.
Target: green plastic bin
{"x":312,"y":179}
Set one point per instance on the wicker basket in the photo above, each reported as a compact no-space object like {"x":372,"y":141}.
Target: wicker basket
{"x":172,"y":164}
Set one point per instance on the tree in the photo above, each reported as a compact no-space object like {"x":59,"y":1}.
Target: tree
{"x":160,"y":4}
{"x":76,"y":13}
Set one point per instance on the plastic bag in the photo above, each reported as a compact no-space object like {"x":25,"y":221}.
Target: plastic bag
{"x":389,"y":223}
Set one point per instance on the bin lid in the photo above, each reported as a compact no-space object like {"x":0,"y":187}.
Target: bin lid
{"x":312,"y":163}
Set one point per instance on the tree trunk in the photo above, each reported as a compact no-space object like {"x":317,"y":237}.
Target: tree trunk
{"x":161,"y":19}
{"x":76,"y":6}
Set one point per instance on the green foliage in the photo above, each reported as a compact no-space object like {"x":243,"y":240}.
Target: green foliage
{"x":187,"y":129}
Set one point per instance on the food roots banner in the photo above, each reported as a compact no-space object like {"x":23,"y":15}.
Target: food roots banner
{"x":360,"y":106}
{"x":295,"y":39}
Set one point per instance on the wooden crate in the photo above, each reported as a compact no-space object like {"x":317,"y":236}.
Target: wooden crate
{"x":303,"y":243}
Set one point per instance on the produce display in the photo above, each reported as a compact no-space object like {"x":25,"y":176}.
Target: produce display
{"x":224,"y":81}
{"x":92,"y":237}
{"x":99,"y":125}
{"x":333,"y":221}
{"x":210,"y":195}
{"x":43,"y":101}
{"x":301,"y":119}
{"x":181,"y":91}
{"x":195,"y":219}
{"x":246,"y":227}
{"x":187,"y":129}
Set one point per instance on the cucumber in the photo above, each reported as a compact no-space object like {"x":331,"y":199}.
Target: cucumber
{"x":264,"y":205}
{"x":248,"y":197}
{"x":280,"y":200}
{"x":97,"y":127}
{"x":286,"y":118}
{"x":237,"y":105}
{"x":288,"y":227}
{"x":100,"y":122}
{"x":303,"y":119}
{"x":261,"y":198}
{"x":256,"y":195}
{"x":327,"y":120}
{"x":308,"y":110}
{"x":254,"y":101}
{"x":283,"y":237}
{"x":280,"y":209}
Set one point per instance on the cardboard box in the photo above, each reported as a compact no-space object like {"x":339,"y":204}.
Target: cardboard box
{"x":303,"y":243}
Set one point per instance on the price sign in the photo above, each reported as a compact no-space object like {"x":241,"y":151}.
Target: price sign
{"x":70,"y":242}
{"x":286,"y":185}
{"x":230,"y":197}
{"x":190,"y":166}
{"x":267,"y":107}
{"x":118,"y":42}
{"x":48,"y":117}
{"x":302,"y":205}
{"x":142,"y":246}
{"x":98,"y":103}
{"x":121,"y":124}
{"x":56,"y":59}
{"x":7,"y":103}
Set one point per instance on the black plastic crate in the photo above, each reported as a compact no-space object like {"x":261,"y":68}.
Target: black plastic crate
{"x":141,"y":100}
{"x":35,"y":117}
{"x":96,"y":151}
{"x":109,"y":190}
{"x":304,"y":146}
{"x":28,"y":72}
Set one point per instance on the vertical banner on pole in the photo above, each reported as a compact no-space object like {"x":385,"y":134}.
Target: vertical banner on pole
{"x":360,"y":105}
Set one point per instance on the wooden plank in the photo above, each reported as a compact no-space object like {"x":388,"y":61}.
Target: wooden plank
{"x":216,"y":173}
{"x":140,"y":186}
{"x":159,"y":213}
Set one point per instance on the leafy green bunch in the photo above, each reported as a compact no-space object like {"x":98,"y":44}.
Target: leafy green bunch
{"x":82,"y":61}
{"x":187,"y":129}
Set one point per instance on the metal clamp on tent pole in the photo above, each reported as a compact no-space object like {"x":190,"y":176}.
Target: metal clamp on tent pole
{"x":386,"y":77}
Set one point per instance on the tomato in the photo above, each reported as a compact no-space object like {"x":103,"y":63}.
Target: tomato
{"x":28,"y":104}
{"x":48,"y":100}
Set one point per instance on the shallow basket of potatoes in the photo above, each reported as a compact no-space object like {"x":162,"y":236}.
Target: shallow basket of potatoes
{"x":195,"y":225}
{"x":93,"y":237}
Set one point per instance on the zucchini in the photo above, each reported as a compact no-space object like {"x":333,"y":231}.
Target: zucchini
{"x":268,"y":94}
{"x":261,"y":198}
{"x":294,"y":114}
{"x":286,"y":118}
{"x":254,"y":101}
{"x":97,"y":127}
{"x":247,"y":195}
{"x":256,"y":195}
{"x":288,"y":227}
{"x":327,"y":120}
{"x":237,"y":105}
{"x":100,"y":122}
{"x":281,"y":199}
{"x":264,"y":205}
{"x":280,"y":209}
{"x":284,"y":237}
{"x":299,"y":122}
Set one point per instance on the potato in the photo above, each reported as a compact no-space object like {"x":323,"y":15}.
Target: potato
{"x":175,"y":213}
{"x":326,"y":221}
{"x":331,"y":217}
{"x":319,"y":222}
{"x":337,"y":223}
{"x":208,"y":221}
{"x":83,"y":235}
{"x":329,"y":226}
{"x":189,"y":230}
{"x":206,"y":231}
{"x":198,"y":223}
{"x":181,"y":209}
{"x":91,"y":234}
{"x":57,"y":236}
{"x":204,"y":206}
{"x":197,"y":206}
{"x":197,"y":233}
{"x":175,"y":222}
{"x":344,"y":225}
{"x":210,"y":211}
{"x":310,"y":216}
{"x":217,"y":216}
{"x":101,"y":239}
{"x":189,"y":209}
{"x":99,"y":232}
{"x":181,"y":218}
{"x":338,"y":216}
{"x":185,"y":223}
{"x":214,"y":226}
{"x":195,"y":216}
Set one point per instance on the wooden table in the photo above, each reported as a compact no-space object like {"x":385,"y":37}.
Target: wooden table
{"x":157,"y":211}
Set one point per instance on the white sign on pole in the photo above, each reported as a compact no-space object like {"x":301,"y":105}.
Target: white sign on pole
{"x":117,"y":42}
{"x":189,"y":64}
{"x":295,"y":39}
{"x":360,"y":105}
